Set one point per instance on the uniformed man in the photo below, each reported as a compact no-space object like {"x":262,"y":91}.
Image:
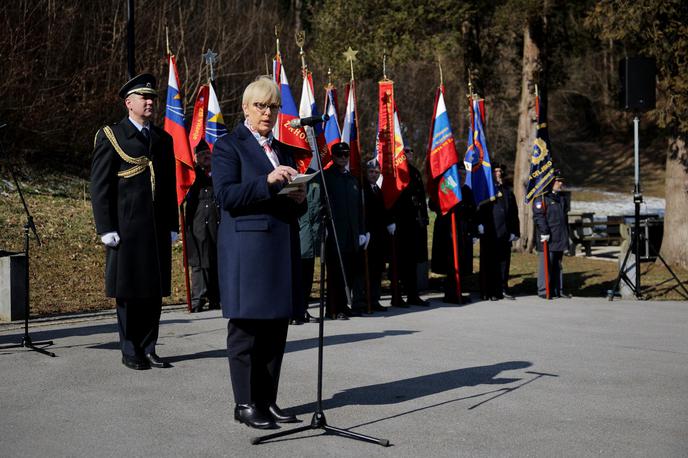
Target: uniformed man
{"x":135,"y":210}
{"x":550,"y":212}
{"x":500,"y":227}
{"x":379,"y":223}
{"x":410,"y":213}
{"x":201,"y":234}
{"x":442,"y":244}
{"x":347,"y":213}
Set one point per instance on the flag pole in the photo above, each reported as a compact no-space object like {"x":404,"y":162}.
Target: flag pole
{"x":185,"y":257}
{"x":350,"y":56}
{"x":545,"y":244}
{"x":457,"y":275}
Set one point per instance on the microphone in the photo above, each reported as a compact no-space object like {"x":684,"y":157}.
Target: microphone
{"x":309,"y":121}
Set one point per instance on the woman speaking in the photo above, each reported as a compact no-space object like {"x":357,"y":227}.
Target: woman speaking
{"x":258,"y":253}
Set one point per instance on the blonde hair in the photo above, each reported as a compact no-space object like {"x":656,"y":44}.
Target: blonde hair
{"x":262,"y":89}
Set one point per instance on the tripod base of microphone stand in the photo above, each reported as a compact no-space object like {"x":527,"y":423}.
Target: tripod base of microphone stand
{"x":318,"y":422}
{"x":34,"y":346}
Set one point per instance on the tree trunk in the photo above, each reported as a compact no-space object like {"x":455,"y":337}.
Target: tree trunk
{"x":533,"y":58}
{"x":675,"y":243}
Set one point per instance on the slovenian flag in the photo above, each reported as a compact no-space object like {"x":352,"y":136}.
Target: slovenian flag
{"x":215,"y":125}
{"x":350,"y":130}
{"x":176,"y":127}
{"x":477,"y":159}
{"x":308,"y":108}
{"x":444,"y":183}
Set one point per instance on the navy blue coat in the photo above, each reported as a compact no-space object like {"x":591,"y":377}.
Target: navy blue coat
{"x":550,"y":212}
{"x":259,"y":260}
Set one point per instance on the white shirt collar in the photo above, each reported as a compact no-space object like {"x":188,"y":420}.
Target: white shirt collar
{"x":261,"y":140}
{"x":139,"y":126}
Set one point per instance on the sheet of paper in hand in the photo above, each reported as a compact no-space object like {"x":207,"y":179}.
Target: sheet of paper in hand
{"x":301,"y":178}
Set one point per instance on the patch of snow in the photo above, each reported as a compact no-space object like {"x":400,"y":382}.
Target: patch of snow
{"x":618,"y":203}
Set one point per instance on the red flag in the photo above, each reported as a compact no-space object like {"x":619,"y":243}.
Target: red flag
{"x":175,"y":126}
{"x":197,"y":132}
{"x":390,"y":147}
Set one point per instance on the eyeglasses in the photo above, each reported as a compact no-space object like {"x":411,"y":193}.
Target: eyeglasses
{"x":341,"y":154}
{"x":263,"y":107}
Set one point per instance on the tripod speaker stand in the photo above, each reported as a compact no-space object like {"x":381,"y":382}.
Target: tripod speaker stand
{"x":637,"y":237}
{"x":26,"y":341}
{"x":318,"y":420}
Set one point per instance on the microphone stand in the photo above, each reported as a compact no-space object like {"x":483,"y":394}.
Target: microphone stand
{"x":318,"y":421}
{"x":26,"y":341}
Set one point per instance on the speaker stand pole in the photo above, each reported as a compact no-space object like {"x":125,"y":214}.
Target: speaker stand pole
{"x":26,"y":341}
{"x":635,"y":243}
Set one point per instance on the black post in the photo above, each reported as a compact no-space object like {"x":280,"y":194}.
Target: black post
{"x":131,"y":56}
{"x":637,"y":200}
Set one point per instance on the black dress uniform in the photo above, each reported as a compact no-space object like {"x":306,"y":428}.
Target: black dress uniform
{"x":347,"y":213}
{"x":133,"y":194}
{"x":410,"y":213}
{"x":377,"y":220}
{"x":201,"y":247}
{"x":500,"y":221}
{"x":442,"y":244}
{"x":550,"y":212}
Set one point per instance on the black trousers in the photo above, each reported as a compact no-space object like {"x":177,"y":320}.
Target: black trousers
{"x":503,"y":253}
{"x":204,"y":286}
{"x":255,"y":349}
{"x":336,"y":293}
{"x":307,"y":269}
{"x":490,"y":271}
{"x":138,"y":322}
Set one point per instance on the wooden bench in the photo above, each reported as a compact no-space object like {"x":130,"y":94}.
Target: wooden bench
{"x":589,"y":233}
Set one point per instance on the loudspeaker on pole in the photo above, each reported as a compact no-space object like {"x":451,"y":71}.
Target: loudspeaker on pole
{"x":637,"y":84}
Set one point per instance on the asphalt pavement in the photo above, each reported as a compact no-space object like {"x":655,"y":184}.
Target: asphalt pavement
{"x":530,"y":377}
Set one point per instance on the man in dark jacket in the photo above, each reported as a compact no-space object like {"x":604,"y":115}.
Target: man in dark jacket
{"x":347,"y":213}
{"x":135,"y":210}
{"x":500,"y":227}
{"x":379,"y":223}
{"x":550,"y":212}
{"x":442,"y":243}
{"x":310,"y":226}
{"x":410,"y":213}
{"x":201,"y":234}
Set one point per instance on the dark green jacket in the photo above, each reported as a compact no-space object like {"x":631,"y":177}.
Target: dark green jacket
{"x":310,"y":222}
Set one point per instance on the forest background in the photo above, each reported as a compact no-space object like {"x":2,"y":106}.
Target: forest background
{"x":64,"y":61}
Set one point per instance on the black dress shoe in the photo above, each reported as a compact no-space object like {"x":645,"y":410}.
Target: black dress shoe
{"x":280,"y":416}
{"x":197,"y":309}
{"x":249,"y":415}
{"x":156,"y":361}
{"x":340,"y":316}
{"x":400,"y":303}
{"x":351,"y":313}
{"x":214,"y":306}
{"x":135,"y":363}
{"x":308,"y":318}
{"x":416,"y":300}
{"x":377,"y":307}
{"x":508,"y":296}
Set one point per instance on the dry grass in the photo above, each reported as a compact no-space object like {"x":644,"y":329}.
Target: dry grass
{"x":66,"y":272}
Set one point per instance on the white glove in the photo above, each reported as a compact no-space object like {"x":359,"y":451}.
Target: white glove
{"x":475,"y":240}
{"x":481,"y":229}
{"x":110,"y":239}
{"x":174,"y":236}
{"x":392,"y":228}
{"x":544,"y":238}
{"x":367,"y":236}
{"x":361,"y":240}
{"x":512,"y":237}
